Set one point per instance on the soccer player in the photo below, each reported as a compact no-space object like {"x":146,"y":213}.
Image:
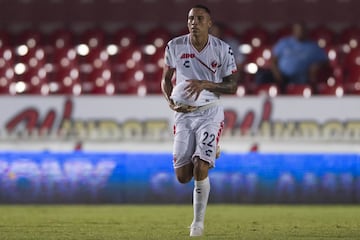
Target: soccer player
{"x":204,"y":66}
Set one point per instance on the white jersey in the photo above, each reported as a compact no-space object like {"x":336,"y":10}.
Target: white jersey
{"x":213,"y":63}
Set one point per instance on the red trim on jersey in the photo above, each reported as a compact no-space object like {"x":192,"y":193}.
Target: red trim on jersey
{"x":208,"y":68}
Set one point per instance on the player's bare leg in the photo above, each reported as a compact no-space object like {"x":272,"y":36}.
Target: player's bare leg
{"x":200,"y":196}
{"x":184,"y":174}
{"x":218,"y":151}
{"x":201,"y":169}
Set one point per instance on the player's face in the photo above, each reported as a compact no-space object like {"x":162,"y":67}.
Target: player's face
{"x":199,"y":21}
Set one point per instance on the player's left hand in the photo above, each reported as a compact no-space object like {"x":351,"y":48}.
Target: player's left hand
{"x":194,"y":88}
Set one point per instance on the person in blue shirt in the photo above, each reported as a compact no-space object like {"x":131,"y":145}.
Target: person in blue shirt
{"x":295,"y":60}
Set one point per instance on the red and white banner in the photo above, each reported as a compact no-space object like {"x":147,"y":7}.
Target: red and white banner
{"x":150,"y":118}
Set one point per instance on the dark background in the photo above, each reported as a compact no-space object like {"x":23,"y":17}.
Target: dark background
{"x":77,"y":14}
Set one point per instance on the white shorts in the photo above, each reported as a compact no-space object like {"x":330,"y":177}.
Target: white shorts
{"x":197,"y":134}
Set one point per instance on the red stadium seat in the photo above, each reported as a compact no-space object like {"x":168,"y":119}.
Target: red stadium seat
{"x":260,"y":56}
{"x":325,"y":73}
{"x":334,"y":90}
{"x":157,"y":37}
{"x":132,"y":82}
{"x":5,"y":38}
{"x":352,"y":71}
{"x":153,"y":81}
{"x":65,"y":57}
{"x":353,"y":87}
{"x":61,"y":38}
{"x":6,"y":56}
{"x":30,"y":70}
{"x":34,"y":81}
{"x":6,"y":69}
{"x":100,"y":82}
{"x":32,"y":57}
{"x":94,"y":68}
{"x":323,"y":36}
{"x":30,"y":37}
{"x":299,"y":89}
{"x":6,"y":80}
{"x":350,"y":37}
{"x":269,"y":89}
{"x":66,"y":81}
{"x":93,"y":38}
{"x":125,"y":37}
{"x":92,"y":57}
{"x":132,"y":54}
{"x":335,"y":56}
{"x":127,"y":58}
{"x":64,"y":72}
{"x":29,"y":63}
{"x":153,"y":61}
{"x":256,"y":36}
{"x":97,"y":57}
{"x":153,"y":70}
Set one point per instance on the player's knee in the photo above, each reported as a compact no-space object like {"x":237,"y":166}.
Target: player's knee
{"x":183,"y":178}
{"x":184,"y":174}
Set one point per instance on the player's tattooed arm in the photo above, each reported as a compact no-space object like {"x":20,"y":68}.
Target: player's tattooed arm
{"x":227,"y":86}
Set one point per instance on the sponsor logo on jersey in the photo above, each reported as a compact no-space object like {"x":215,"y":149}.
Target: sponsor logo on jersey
{"x":187,"y":55}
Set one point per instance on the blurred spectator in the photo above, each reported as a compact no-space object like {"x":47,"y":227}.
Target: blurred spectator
{"x":220,"y":30}
{"x":295,"y":60}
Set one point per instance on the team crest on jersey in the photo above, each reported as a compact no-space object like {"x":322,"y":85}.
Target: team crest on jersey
{"x":214,"y":64}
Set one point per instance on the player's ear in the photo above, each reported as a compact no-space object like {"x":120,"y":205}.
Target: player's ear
{"x":210,"y":23}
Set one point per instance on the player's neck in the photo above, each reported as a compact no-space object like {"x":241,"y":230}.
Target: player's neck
{"x":199,"y":42}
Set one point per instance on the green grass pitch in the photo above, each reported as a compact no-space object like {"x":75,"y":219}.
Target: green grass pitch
{"x":168,"y":222}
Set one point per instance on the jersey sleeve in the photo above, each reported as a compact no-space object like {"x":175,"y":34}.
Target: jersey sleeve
{"x":169,"y":55}
{"x":229,"y":64}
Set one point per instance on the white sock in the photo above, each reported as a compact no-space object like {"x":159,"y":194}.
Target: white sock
{"x":200,"y":200}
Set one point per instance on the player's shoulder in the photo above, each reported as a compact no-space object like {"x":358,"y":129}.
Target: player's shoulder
{"x":217,"y":42}
{"x":179,"y":40}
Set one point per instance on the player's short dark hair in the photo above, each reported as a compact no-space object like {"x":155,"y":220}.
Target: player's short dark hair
{"x":205,"y":8}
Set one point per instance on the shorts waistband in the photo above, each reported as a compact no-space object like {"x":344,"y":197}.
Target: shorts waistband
{"x":207,"y":106}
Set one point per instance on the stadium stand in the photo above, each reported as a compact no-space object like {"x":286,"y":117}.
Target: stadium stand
{"x":128,"y":61}
{"x":299,"y":89}
{"x":86,"y":53}
{"x":6,"y":70}
{"x":351,"y":68}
